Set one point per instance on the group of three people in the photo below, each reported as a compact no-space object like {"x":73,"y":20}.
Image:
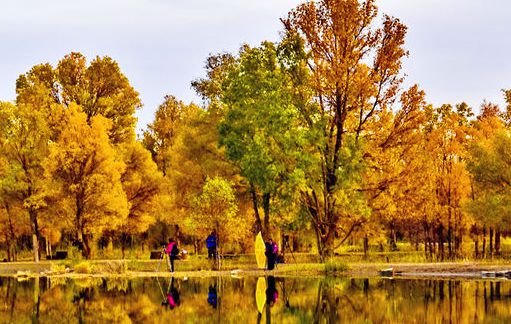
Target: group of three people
{"x":271,"y":251}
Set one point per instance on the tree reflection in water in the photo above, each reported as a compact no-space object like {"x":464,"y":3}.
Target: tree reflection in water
{"x":221,"y":300}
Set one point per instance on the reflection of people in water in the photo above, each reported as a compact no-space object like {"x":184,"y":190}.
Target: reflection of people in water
{"x":172,"y":298}
{"x":212,"y":296}
{"x":271,"y":292}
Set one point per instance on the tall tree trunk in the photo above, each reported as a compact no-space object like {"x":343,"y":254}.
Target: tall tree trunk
{"x":441,"y":240}
{"x":394,"y":240}
{"x":449,"y":236}
{"x":318,"y":242}
{"x":490,"y":247}
{"x":36,"y":235}
{"x":483,"y":255}
{"x":86,"y":247}
{"x":449,"y":220}
{"x":476,"y":247}
{"x":218,"y":251}
{"x":497,"y":242}
{"x":366,"y":245}
{"x":177,"y":232}
{"x":80,"y":237}
{"x":123,"y":245}
{"x":8,"y":248}
{"x":266,"y":209}
{"x":11,"y":237}
{"x":255,"y":205}
{"x":48,"y":255}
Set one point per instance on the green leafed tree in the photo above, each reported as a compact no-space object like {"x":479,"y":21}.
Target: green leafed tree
{"x":215,"y":208}
{"x":489,"y":166}
{"x":260,"y":129}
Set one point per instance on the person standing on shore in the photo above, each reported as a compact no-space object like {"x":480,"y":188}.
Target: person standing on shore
{"x":172,"y":251}
{"x":211,"y":244}
{"x":271,"y":254}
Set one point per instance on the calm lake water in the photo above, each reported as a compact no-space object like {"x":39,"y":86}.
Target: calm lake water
{"x":254,"y":300}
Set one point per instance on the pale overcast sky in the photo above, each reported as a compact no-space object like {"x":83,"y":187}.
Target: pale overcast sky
{"x":459,"y":49}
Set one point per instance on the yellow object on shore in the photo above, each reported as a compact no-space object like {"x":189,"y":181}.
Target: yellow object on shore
{"x":260,"y":294}
{"x":259,"y":251}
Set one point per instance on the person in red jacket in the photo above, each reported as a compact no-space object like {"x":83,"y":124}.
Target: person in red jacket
{"x":172,"y":251}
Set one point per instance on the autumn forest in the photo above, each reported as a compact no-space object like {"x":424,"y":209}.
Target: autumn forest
{"x":313,"y":140}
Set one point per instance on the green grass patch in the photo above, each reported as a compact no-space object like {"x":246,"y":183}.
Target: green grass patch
{"x":336,"y":265}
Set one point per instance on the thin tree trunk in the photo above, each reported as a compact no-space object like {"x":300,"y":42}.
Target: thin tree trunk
{"x":366,"y":245}
{"x":394,"y":240}
{"x":416,"y":239}
{"x":218,"y":253}
{"x":497,"y":242}
{"x":318,"y":242}
{"x":484,"y":253}
{"x":490,"y":248}
{"x":86,"y":247}
{"x":123,"y":245}
{"x":266,"y":209}
{"x":48,"y":255}
{"x":35,"y":235}
{"x":11,"y":237}
{"x":476,"y":248}
{"x":449,"y":236}
{"x":253,"y":194}
{"x":8,"y":249}
{"x":35,"y":244}
{"x":431,"y":248}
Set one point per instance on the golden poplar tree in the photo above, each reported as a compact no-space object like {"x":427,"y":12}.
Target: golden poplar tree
{"x":25,"y":146}
{"x":354,"y":69}
{"x":141,"y":182}
{"x":83,"y":170}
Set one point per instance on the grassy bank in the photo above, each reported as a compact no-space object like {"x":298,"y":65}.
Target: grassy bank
{"x":201,"y":267}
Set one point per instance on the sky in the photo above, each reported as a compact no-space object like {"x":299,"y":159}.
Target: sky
{"x":459,"y":49}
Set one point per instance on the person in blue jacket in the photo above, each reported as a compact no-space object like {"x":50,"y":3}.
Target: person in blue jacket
{"x":211,"y":244}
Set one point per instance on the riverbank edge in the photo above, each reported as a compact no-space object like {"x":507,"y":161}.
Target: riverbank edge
{"x":439,"y":270}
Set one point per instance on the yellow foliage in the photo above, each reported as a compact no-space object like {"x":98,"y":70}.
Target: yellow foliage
{"x":84,"y":170}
